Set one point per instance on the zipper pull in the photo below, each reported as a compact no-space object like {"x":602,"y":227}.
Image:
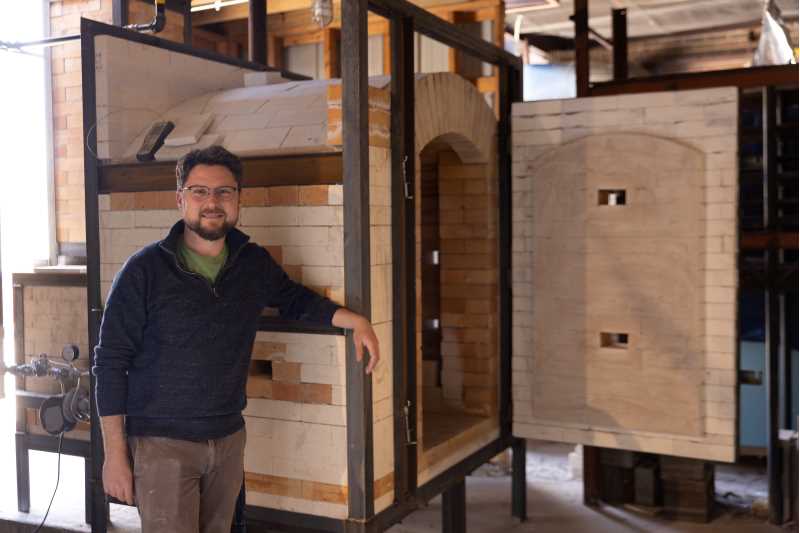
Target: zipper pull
{"x":214,"y":291}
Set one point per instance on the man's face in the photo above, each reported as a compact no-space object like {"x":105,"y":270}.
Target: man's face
{"x":213,"y":217}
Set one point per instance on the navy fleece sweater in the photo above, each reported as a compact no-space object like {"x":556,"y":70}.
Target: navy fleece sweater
{"x":174,"y":349}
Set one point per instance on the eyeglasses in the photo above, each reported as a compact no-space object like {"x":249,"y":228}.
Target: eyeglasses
{"x":202,"y":193}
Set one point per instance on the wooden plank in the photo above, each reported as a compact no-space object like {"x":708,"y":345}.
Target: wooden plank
{"x":779,"y":75}
{"x":434,"y":27}
{"x":48,"y":279}
{"x":355,"y":162}
{"x":311,"y":169}
{"x":274,"y":51}
{"x":764,"y":240}
{"x":240,"y":11}
{"x":331,"y":52}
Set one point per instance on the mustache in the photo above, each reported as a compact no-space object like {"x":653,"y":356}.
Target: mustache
{"x":213,"y":212}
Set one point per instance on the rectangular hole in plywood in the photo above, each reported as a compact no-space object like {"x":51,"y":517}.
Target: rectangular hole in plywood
{"x":611,"y":197}
{"x":614,"y":340}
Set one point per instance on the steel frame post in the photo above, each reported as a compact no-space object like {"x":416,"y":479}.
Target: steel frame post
{"x":454,"y":508}
{"x":355,"y":160}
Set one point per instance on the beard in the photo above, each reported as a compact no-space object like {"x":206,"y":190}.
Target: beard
{"x":210,"y":234}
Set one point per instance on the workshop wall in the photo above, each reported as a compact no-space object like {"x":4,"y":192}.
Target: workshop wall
{"x":65,"y":66}
{"x":67,"y":97}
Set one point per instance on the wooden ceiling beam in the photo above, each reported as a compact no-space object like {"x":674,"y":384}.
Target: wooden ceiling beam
{"x":274,"y":7}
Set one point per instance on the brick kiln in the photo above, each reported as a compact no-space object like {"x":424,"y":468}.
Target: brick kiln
{"x":290,"y":136}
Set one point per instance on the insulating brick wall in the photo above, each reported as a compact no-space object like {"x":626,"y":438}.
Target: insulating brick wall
{"x":296,"y":455}
{"x":301,"y":227}
{"x":380,"y":208}
{"x":302,"y":398}
{"x":468,"y":276}
{"x":675,"y":154}
{"x":67,"y":97}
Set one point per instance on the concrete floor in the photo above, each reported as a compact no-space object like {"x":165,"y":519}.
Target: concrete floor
{"x":554,"y":499}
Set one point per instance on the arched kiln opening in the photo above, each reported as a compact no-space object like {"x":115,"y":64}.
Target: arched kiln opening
{"x":456,"y":298}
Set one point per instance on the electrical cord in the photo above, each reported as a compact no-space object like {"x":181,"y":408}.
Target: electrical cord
{"x":58,"y":479}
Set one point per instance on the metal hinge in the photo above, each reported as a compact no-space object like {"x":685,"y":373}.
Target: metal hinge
{"x":406,"y":409}
{"x":407,"y":185}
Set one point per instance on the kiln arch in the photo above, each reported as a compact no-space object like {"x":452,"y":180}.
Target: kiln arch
{"x":456,"y":277}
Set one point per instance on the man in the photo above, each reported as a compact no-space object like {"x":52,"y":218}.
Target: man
{"x":174,"y":349}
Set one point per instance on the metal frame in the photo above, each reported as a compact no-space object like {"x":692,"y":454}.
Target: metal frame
{"x":25,"y":442}
{"x":775,"y":278}
{"x":405,"y":18}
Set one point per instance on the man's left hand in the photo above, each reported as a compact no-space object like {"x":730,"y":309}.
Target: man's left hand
{"x":364,"y":337}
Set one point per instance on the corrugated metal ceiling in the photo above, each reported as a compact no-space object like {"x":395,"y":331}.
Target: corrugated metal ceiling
{"x":649,"y":17}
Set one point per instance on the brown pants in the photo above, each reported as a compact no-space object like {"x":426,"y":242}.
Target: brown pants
{"x":182,"y":486}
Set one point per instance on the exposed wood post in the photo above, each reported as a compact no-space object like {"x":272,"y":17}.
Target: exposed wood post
{"x":355,"y":160}
{"x":499,"y":35}
{"x":452,"y":53}
{"x":387,"y":52}
{"x":620,"y":37}
{"x":274,"y":51}
{"x":257,"y":32}
{"x":331,"y":52}
{"x":581,"y":19}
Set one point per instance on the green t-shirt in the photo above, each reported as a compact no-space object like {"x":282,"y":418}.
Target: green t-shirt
{"x":206,"y":266}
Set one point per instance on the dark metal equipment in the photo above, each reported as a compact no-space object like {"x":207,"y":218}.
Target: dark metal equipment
{"x":61,"y":412}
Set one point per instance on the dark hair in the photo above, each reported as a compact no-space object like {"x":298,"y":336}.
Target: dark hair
{"x":213,"y":155}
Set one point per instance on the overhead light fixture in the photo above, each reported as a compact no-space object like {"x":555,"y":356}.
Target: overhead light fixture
{"x":217,"y":5}
{"x":523,"y":6}
{"x":322,"y":12}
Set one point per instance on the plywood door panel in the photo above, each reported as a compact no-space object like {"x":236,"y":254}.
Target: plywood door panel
{"x":611,"y":334}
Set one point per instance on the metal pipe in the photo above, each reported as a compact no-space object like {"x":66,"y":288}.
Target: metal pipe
{"x":157,"y":24}
{"x":50,"y":41}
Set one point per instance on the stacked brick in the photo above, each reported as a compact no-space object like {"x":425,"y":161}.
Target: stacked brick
{"x":68,"y":135}
{"x":460,"y":148}
{"x":302,"y":399}
{"x":468,"y":233}
{"x":381,"y":287}
{"x":136,"y":84}
{"x":53,"y":316}
{"x":296,"y":459}
{"x":65,"y":66}
{"x":661,"y":269}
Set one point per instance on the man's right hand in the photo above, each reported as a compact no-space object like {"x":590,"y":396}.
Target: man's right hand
{"x":117,"y":475}
{"x":118,"y":478}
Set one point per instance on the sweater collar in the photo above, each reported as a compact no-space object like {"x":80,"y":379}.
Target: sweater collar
{"x":235,"y":239}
